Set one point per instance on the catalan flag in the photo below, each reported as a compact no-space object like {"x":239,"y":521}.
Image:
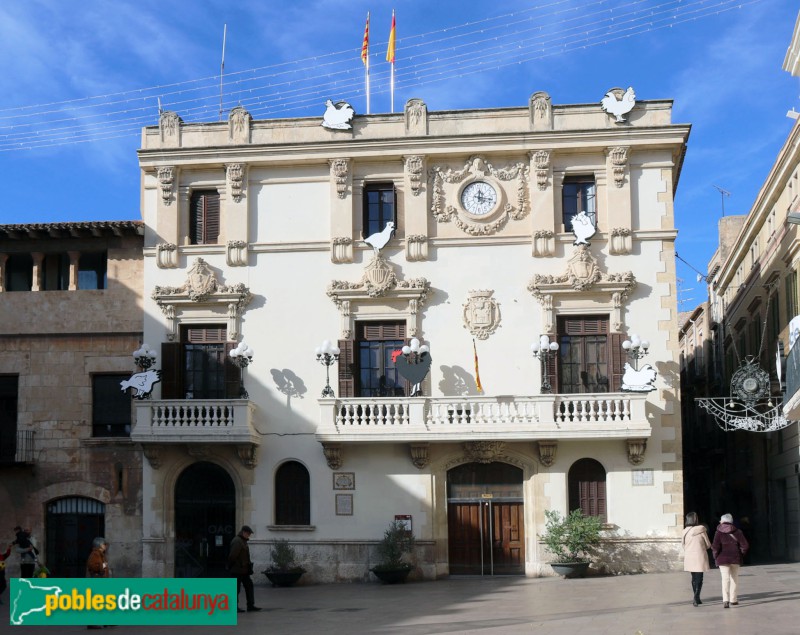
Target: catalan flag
{"x":390,"y":48}
{"x":477,"y":372}
{"x":365,"y":45}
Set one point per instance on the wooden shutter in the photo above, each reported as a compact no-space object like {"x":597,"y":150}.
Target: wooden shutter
{"x":617,"y":358}
{"x":347,"y":384}
{"x":204,"y":222}
{"x":171,"y":382}
{"x":553,"y":368}
{"x":233,"y":374}
{"x":212,"y":224}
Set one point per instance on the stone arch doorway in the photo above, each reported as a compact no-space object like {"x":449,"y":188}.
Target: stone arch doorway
{"x":205,"y":521}
{"x":485,"y":519}
{"x":72,"y":524}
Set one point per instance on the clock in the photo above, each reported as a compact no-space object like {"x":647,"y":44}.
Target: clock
{"x":479,"y":198}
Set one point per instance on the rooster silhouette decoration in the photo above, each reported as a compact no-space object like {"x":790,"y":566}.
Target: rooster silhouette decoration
{"x":338,"y":116}
{"x":380,"y":239}
{"x":142,"y":383}
{"x":583,"y":228}
{"x":619,"y":107}
{"x":640,"y":380}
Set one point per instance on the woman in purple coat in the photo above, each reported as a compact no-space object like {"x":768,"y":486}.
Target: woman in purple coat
{"x":728,"y":548}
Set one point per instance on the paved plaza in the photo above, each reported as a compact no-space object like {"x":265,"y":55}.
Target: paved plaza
{"x":653,"y":604}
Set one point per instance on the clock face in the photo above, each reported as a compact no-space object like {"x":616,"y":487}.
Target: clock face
{"x":479,"y":198}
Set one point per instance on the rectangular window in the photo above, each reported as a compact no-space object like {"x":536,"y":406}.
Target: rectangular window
{"x":204,"y":217}
{"x":791,"y":296}
{"x":377,"y":373}
{"x":92,"y":271}
{"x":19,"y":272}
{"x":55,"y":272}
{"x":578,"y":195}
{"x":584,"y":365}
{"x":204,"y":362}
{"x":774,"y":317}
{"x":379,"y":207}
{"x":111,"y":407}
{"x":9,"y":386}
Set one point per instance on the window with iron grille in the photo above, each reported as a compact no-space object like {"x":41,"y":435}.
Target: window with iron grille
{"x":292,"y":495}
{"x":379,"y":207}
{"x":587,"y":488}
{"x":204,"y":218}
{"x":111,"y":407}
{"x":578,"y":194}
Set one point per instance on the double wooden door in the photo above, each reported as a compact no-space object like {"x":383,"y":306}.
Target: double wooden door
{"x":486,"y":537}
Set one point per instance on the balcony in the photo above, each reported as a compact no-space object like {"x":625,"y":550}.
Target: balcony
{"x":194,"y":421}
{"x":507,"y":418}
{"x":16,"y":448}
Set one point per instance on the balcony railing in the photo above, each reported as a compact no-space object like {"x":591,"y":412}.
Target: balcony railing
{"x":598,"y":415}
{"x":17,"y":448}
{"x":191,"y":420}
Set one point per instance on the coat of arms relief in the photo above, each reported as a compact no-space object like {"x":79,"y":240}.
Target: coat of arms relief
{"x":481,"y":313}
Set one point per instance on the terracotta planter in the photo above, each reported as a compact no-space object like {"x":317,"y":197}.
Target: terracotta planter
{"x":570,"y":569}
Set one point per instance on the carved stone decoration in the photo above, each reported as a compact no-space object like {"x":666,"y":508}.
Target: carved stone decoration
{"x":484,"y":451}
{"x":342,"y":249}
{"x":167,"y":255}
{"x":248,"y":455}
{"x":239,"y":121}
{"x":202,"y":287}
{"x":169,"y":128}
{"x":481,"y":313}
{"x":541,"y":160}
{"x":619,"y":159}
{"x":416,"y":247}
{"x":379,"y":277}
{"x":544,"y":243}
{"x":547,"y":452}
{"x":636,"y":450}
{"x":445,"y":205}
{"x":414,"y":169}
{"x":166,"y":178}
{"x":236,"y":253}
{"x":582,"y":270}
{"x":339,"y":170}
{"x":621,"y":243}
{"x":198,"y":450}
{"x":333,"y":455}
{"x":153,"y":455}
{"x":541,"y":111}
{"x":420,"y":454}
{"x":416,"y":117}
{"x":235,"y":173}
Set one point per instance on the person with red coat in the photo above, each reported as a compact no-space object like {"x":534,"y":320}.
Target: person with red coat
{"x":728,"y":548}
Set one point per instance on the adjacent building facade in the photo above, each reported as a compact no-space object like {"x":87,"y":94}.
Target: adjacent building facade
{"x":487,"y":230}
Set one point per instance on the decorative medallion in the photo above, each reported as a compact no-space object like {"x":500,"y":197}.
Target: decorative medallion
{"x":339,"y":169}
{"x":484,"y":451}
{"x":619,"y":103}
{"x":750,"y":383}
{"x":481,"y":314}
{"x":338,"y":116}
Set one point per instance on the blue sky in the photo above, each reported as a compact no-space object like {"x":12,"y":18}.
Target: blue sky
{"x":81,"y":77}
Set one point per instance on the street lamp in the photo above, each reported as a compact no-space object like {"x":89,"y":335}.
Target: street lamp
{"x":242,"y":356}
{"x":543,"y":350}
{"x":327,"y":355}
{"x":636,"y":348}
{"x":144,"y":357}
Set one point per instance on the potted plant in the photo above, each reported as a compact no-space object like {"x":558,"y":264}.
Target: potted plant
{"x":397,"y":543}
{"x":284,"y":570}
{"x":571,"y":539}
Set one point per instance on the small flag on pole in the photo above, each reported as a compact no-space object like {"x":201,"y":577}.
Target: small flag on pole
{"x":477,"y":372}
{"x":390,"y":48}
{"x":365,"y":45}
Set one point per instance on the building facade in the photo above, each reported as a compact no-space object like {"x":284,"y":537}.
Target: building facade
{"x":70,"y":315}
{"x":476,"y":233}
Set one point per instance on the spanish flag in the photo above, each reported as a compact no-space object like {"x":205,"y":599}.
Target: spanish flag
{"x":477,"y":372}
{"x":365,"y":45}
{"x":390,"y":48}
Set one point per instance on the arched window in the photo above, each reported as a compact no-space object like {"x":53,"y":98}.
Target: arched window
{"x":292,"y":495}
{"x":587,"y":488}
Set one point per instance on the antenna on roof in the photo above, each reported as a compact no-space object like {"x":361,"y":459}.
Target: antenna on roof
{"x":222,"y":68}
{"x":160,"y":109}
{"x":723,"y":193}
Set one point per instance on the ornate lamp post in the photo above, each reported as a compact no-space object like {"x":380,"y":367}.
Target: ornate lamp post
{"x":327,"y":355}
{"x":543,"y":350}
{"x":636,"y":348}
{"x":242,"y":356}
{"x":417,"y":359}
{"x":144,"y":357}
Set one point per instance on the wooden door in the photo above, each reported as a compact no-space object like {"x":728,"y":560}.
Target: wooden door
{"x":486,"y":538}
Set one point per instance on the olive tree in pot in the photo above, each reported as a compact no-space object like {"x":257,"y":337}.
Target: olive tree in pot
{"x":572,"y":540}
{"x":284,"y":570}
{"x":397,"y":543}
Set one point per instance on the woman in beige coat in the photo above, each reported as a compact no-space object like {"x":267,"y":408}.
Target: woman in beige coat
{"x":695,"y":553}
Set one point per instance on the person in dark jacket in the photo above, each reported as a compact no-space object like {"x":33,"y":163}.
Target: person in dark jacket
{"x":728,"y":548}
{"x":241,"y":567}
{"x":695,"y":553}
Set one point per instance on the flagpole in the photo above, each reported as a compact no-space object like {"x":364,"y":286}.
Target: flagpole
{"x":365,"y":58}
{"x":390,"y":56}
{"x":392,"y":88}
{"x":222,"y":68}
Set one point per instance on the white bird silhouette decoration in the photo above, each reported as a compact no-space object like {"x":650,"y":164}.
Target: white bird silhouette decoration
{"x":380,"y":239}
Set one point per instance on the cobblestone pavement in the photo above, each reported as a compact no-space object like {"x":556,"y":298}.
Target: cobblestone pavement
{"x":651,"y":604}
